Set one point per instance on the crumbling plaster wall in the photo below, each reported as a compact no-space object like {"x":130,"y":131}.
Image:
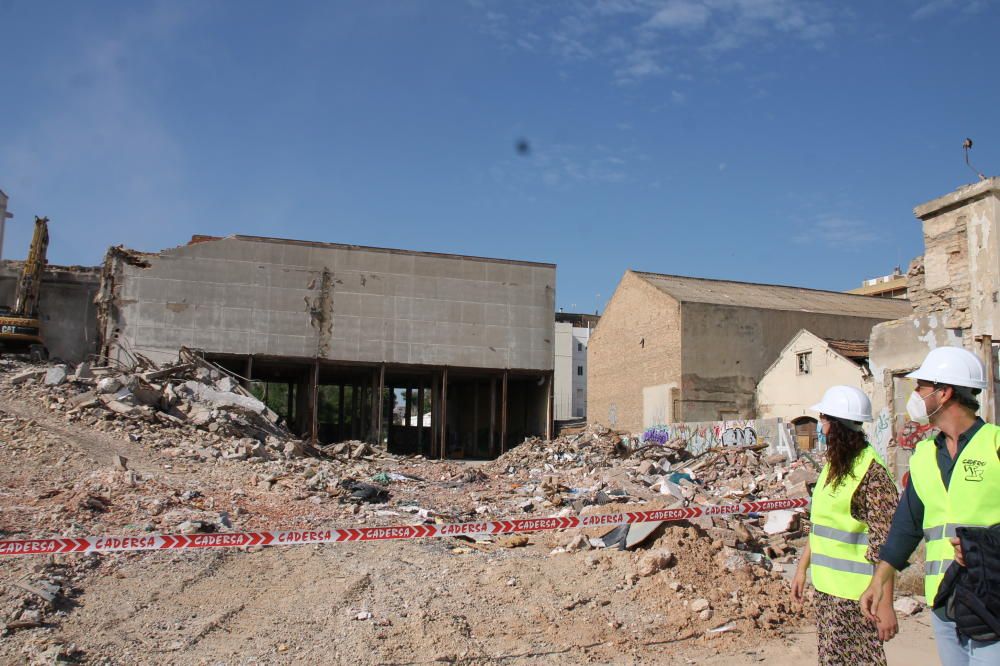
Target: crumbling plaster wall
{"x":953,"y":287}
{"x":242,"y":295}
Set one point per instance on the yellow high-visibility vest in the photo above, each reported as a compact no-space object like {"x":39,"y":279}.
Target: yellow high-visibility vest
{"x":839,"y":542}
{"x":972,"y":497}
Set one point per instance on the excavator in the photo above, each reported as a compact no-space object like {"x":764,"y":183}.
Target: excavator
{"x":20,"y":326}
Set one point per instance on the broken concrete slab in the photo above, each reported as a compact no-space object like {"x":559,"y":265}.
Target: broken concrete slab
{"x":56,"y":375}
{"x":205,"y":394}
{"x":639,"y":532}
{"x":108,"y":385}
{"x":779,"y":522}
{"x":22,"y":377}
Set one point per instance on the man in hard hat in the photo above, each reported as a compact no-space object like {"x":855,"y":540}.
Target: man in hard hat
{"x":954,"y":481}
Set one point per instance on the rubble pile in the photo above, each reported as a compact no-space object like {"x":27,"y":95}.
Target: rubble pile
{"x":711,"y":575}
{"x":184,"y":398}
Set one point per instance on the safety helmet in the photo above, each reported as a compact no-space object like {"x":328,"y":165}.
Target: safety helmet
{"x":953,"y":366}
{"x":845,"y":402}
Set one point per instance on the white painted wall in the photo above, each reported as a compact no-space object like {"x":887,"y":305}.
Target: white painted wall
{"x":564,"y":379}
{"x":786,"y":394}
{"x":581,"y":340}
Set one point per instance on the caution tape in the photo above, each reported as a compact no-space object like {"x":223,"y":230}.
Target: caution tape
{"x":111,"y":544}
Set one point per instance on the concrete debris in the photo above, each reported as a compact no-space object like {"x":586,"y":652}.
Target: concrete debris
{"x":56,"y":375}
{"x":907,"y":605}
{"x":187,"y":394}
{"x":654,"y":562}
{"x":779,"y":522}
{"x":31,"y":374}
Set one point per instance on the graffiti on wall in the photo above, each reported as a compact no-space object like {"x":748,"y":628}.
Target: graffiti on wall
{"x":699,"y":437}
{"x":912,"y":432}
{"x":881,"y":433}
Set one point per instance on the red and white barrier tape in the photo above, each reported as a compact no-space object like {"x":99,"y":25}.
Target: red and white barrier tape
{"x":109,"y":544}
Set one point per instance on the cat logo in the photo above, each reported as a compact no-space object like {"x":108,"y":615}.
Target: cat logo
{"x":974,"y":469}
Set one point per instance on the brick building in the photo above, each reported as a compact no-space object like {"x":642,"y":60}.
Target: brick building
{"x":671,"y":349}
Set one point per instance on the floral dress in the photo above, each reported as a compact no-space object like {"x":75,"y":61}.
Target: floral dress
{"x":844,"y":636}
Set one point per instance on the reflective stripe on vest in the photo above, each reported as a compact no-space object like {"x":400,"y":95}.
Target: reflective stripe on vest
{"x":837,"y":564}
{"x":972,"y":497}
{"x":840,"y":535}
{"x":837,"y":541}
{"x":937,"y":567}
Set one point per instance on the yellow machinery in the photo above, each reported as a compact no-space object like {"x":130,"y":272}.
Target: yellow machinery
{"x":20,"y":328}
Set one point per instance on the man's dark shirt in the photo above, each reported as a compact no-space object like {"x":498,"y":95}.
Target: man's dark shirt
{"x":908,"y":522}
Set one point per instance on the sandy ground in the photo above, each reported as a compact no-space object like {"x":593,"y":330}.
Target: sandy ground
{"x":913,"y":646}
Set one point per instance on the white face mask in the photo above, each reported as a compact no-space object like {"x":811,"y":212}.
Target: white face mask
{"x":917,"y":408}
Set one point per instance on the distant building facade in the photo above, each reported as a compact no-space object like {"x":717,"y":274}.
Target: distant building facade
{"x":803,"y":371}
{"x":672,"y":349}
{"x":572,"y":331}
{"x":887,"y":286}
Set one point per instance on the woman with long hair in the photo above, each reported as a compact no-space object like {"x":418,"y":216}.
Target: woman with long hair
{"x":852,"y":507}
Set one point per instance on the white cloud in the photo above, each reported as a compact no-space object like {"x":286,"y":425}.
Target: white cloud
{"x":935,"y":7}
{"x":642,"y":39}
{"x":680,"y":14}
{"x":678,"y":97}
{"x":835,"y":230}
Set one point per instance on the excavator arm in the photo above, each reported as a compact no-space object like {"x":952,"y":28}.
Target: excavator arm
{"x":29,"y":285}
{"x":20,"y":327}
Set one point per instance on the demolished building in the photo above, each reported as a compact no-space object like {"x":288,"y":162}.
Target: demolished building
{"x":955,"y":290}
{"x":336,"y":334}
{"x":673,"y":349}
{"x":66,"y":307}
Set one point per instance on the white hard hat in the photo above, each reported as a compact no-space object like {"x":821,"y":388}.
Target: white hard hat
{"x":845,"y":402}
{"x":954,"y":366}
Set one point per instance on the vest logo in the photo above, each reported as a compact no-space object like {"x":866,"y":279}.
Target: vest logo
{"x":974,"y":469}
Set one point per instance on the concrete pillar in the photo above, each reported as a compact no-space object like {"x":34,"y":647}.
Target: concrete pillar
{"x":493,"y":416}
{"x":444,"y":414}
{"x":381,"y":405}
{"x":503,"y":414}
{"x":314,"y":402}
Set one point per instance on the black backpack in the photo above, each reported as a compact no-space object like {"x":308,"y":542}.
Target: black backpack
{"x":971,"y":594}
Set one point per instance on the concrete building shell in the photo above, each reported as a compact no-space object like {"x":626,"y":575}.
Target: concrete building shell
{"x":470,"y":339}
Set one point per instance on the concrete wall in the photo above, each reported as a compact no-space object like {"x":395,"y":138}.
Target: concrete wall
{"x":66,"y":306}
{"x":243,"y":295}
{"x":634,"y":358}
{"x":785,"y":393}
{"x":563,"y":372}
{"x":726,"y":349}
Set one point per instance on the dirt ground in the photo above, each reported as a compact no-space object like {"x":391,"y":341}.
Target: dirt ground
{"x":412,"y":602}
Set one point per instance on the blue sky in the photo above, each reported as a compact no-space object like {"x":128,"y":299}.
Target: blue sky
{"x":758,"y":140}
